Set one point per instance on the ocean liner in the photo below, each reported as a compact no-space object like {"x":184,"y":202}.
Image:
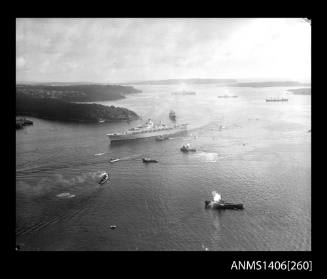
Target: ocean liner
{"x":148,"y":130}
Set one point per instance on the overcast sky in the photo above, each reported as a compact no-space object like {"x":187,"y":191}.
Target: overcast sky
{"x":116,"y":50}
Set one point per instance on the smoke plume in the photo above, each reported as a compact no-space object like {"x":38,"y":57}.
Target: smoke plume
{"x":216,"y":196}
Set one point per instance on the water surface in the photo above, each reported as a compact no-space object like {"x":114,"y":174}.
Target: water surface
{"x":249,"y":151}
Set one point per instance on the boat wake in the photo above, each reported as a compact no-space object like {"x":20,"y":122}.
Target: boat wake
{"x":43,"y":224}
{"x":78,"y":206}
{"x":208,"y":157}
{"x":135,"y":156}
{"x":49,"y":184}
{"x":65,"y":195}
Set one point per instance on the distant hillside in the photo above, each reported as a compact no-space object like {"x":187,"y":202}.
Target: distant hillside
{"x":49,"y":108}
{"x":269,"y":84}
{"x":301,"y":91}
{"x":77,"y":93}
{"x":186,"y":81}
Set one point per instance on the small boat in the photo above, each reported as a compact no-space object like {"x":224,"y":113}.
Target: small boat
{"x":113,"y":160}
{"x":27,"y":122}
{"x":187,"y":148}
{"x":161,"y":138}
{"x":104,"y":178}
{"x":23,"y":122}
{"x":172,"y":115}
{"x":113,"y":227}
{"x":223,"y":205}
{"x":148,"y":160}
{"x":101,"y":121}
{"x":19,"y":125}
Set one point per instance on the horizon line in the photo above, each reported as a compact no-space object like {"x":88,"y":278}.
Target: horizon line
{"x":156,"y":80}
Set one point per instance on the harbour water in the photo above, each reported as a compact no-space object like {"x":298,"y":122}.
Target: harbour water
{"x":248,"y":150}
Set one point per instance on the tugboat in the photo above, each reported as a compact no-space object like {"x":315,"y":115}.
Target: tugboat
{"x":104,"y":178}
{"x":218,"y":203}
{"x":172,"y":115}
{"x":187,"y":148}
{"x":148,"y":160}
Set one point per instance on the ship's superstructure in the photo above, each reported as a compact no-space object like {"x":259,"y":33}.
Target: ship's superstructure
{"x":148,"y":130}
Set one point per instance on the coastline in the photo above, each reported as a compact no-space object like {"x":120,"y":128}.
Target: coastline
{"x":301,"y":91}
{"x":54,"y":109}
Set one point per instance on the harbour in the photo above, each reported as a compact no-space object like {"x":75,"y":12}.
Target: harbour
{"x":163,"y":134}
{"x":260,"y":159}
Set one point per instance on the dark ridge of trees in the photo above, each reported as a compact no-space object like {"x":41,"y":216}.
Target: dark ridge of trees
{"x":77,"y":93}
{"x":49,"y":108}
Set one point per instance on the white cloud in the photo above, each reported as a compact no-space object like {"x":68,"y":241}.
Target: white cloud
{"x":109,"y":50}
{"x":20,"y":62}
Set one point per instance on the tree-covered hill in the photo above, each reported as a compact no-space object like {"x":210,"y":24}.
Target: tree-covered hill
{"x":49,"y":108}
{"x":77,"y":93}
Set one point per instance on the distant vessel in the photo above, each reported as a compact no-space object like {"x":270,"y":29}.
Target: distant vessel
{"x":104,"y":178}
{"x":276,"y":100}
{"x":19,"y":125}
{"x":148,"y":160}
{"x":227,"y":96}
{"x":148,"y":130}
{"x":161,"y":138}
{"x":172,"y":115}
{"x":20,"y":122}
{"x":113,"y":160}
{"x":187,"y":148}
{"x":183,"y":92}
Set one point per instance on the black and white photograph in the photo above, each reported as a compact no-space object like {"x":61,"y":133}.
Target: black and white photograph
{"x":163,"y":134}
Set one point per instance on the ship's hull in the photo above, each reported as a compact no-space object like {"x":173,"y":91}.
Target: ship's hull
{"x":223,"y":205}
{"x":126,"y":137}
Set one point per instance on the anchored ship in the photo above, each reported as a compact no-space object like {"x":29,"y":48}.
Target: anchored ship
{"x":276,"y":100}
{"x":148,"y":130}
{"x":218,"y":203}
